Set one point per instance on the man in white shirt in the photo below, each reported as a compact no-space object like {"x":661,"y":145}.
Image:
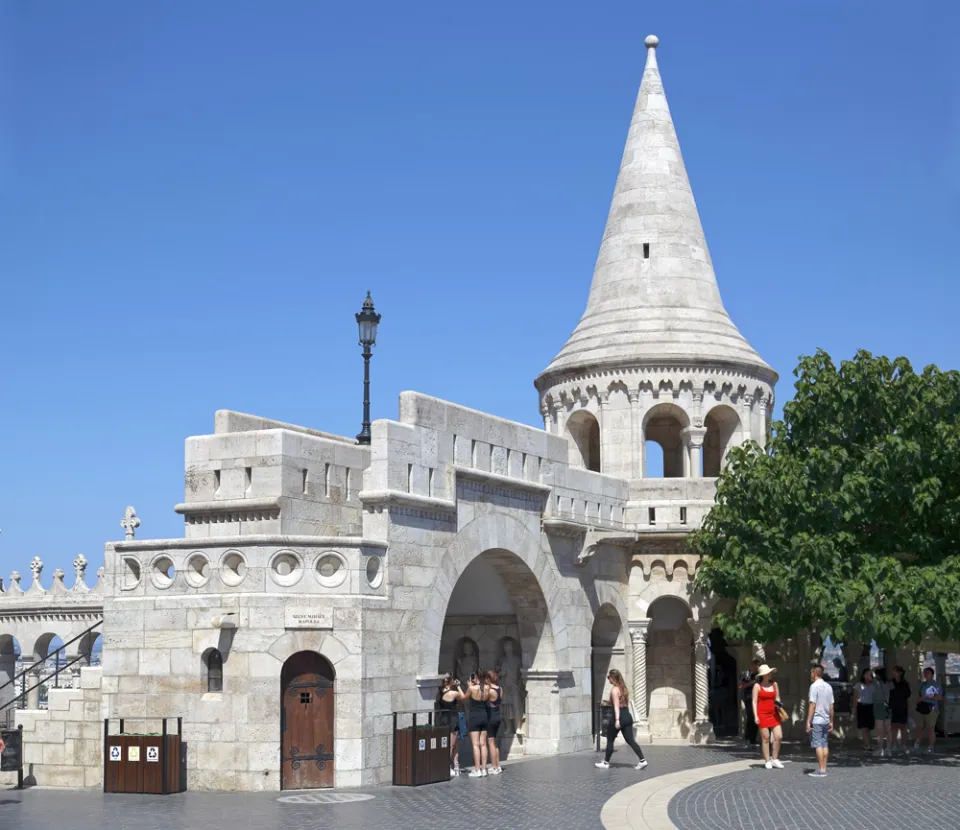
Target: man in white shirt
{"x":820,"y":718}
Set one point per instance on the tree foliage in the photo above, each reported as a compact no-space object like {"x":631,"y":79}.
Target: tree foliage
{"x":848,"y":523}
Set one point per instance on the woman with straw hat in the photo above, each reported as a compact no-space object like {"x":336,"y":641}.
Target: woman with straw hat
{"x":765,"y":695}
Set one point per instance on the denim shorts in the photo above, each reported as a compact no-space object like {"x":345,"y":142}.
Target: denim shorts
{"x":819,"y":732}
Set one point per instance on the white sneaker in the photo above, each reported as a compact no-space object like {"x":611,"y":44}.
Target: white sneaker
{"x":475,"y":773}
{"x":496,"y":771}
{"x":602,"y":765}
{"x":453,"y":772}
{"x":929,"y":750}
{"x":641,"y":765}
{"x":776,"y":764}
{"x":769,"y":765}
{"x":483,"y":773}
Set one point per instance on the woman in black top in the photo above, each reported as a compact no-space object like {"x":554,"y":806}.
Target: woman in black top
{"x":899,"y":706}
{"x":494,"y":698}
{"x":447,"y":702}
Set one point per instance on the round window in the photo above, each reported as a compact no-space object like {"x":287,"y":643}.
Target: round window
{"x":286,"y":568}
{"x":331,"y":570}
{"x":233,"y":568}
{"x":197,"y":572}
{"x":162,"y":572}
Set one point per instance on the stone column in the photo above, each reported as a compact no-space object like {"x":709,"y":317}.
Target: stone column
{"x":693,"y":442}
{"x":33,"y":696}
{"x":602,"y":400}
{"x":8,"y":670}
{"x":542,"y":710}
{"x":638,"y":636}
{"x":702,"y":728}
{"x":746,"y":416}
{"x":636,"y":434}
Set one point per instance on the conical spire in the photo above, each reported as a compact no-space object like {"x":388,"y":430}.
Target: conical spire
{"x":654,"y":296}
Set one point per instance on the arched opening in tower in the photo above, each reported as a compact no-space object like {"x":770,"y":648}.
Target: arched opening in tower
{"x":664,"y":426}
{"x":583,"y":430}
{"x":723,"y":432}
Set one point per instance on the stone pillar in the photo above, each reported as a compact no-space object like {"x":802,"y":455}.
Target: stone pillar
{"x":636,"y":434}
{"x":638,"y":636}
{"x":702,"y":728}
{"x":693,"y":442}
{"x":746,"y":416}
{"x":602,"y":400}
{"x":8,"y":670}
{"x":33,"y":696}
{"x":542,"y":733}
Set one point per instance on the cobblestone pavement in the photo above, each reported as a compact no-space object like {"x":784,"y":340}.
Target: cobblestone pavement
{"x":562,"y":793}
{"x":859,"y":793}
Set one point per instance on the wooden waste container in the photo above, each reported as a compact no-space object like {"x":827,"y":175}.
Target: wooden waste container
{"x":144,"y":762}
{"x":421,"y":749}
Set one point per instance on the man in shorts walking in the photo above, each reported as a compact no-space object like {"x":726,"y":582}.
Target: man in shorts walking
{"x":820,"y":718}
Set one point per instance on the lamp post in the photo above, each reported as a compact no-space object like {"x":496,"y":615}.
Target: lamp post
{"x":367,"y":321}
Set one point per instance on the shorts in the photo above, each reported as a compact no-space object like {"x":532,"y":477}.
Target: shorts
{"x":927,"y":721}
{"x":898,"y":715}
{"x":819,"y":734}
{"x":493,"y":724}
{"x":478,"y":719}
{"x":865,"y":718}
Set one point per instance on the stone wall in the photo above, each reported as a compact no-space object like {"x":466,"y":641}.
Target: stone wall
{"x":670,"y":681}
{"x":63,"y":744}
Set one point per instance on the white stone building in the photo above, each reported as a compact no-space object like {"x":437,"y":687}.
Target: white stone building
{"x":313,"y":567}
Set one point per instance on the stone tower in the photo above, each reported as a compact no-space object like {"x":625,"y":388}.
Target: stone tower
{"x":655,"y":356}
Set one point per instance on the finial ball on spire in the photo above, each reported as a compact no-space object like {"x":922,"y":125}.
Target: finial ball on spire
{"x":652,"y":41}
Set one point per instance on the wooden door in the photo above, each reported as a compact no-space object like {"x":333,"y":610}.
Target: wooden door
{"x":306,"y":722}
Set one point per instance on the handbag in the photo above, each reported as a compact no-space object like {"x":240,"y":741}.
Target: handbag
{"x":782,"y":715}
{"x":924,"y":708}
{"x":606,"y":721}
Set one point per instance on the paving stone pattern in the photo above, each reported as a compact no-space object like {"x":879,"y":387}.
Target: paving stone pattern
{"x":859,"y":793}
{"x":544,"y":794}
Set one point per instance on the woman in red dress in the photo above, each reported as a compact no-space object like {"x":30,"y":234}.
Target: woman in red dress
{"x":765,"y":695}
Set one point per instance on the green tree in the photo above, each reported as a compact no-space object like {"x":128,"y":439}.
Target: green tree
{"x":848,"y":524}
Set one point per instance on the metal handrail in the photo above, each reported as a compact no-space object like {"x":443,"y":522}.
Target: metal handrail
{"x":4,"y":707}
{"x":57,"y":671}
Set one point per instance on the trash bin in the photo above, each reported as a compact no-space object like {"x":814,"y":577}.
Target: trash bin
{"x":421,"y":749}
{"x":142,"y":762}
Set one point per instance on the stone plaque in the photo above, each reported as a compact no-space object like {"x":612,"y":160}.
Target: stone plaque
{"x":302,"y":616}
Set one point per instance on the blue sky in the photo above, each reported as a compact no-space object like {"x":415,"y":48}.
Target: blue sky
{"x":194,"y":198}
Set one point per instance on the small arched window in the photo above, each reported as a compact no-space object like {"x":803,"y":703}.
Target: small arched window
{"x":213,"y":670}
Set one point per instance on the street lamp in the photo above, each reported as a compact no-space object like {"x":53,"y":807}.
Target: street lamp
{"x":367,"y":321}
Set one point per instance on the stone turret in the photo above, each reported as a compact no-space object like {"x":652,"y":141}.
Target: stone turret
{"x":655,"y":356}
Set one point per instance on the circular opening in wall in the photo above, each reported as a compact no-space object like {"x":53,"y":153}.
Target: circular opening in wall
{"x":131,"y":573}
{"x":331,"y":570}
{"x":162,"y":572}
{"x":198,"y":570}
{"x":233,"y":568}
{"x":374,"y":572}
{"x":286,"y":568}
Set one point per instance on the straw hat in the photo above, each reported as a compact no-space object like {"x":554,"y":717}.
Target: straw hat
{"x":764,"y":670}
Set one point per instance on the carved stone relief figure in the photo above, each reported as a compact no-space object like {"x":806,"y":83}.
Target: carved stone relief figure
{"x":511,"y":681}
{"x":467,"y":661}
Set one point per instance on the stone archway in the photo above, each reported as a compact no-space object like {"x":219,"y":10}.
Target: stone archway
{"x":607,"y":652}
{"x":670,"y":684}
{"x":505,"y":546}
